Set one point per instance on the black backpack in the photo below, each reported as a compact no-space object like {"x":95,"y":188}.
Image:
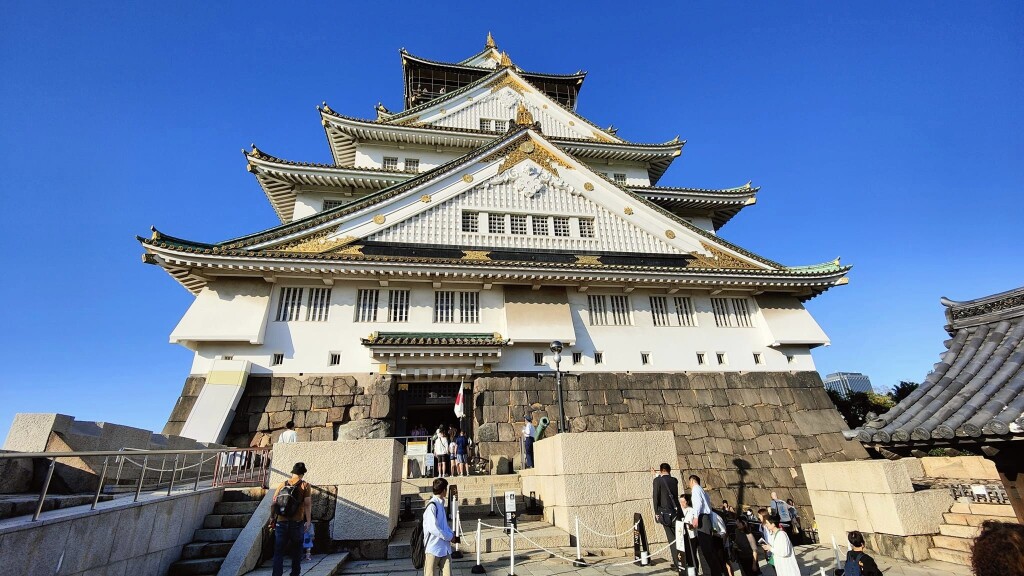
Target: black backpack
{"x":418,"y":543}
{"x":288,"y":500}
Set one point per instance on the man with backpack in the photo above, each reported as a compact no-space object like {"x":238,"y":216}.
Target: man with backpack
{"x":432,"y":540}
{"x":857,"y":562}
{"x":781,"y":509}
{"x":291,"y":517}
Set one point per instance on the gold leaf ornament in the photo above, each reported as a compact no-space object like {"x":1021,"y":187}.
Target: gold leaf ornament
{"x":379,"y":219}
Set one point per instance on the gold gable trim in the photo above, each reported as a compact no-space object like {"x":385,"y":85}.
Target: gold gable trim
{"x":719,"y":260}
{"x":478,"y":255}
{"x":524,"y":148}
{"x":583,"y":259}
{"x":508,"y":81}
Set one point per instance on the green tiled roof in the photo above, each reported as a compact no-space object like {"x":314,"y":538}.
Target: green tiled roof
{"x":433,"y":339}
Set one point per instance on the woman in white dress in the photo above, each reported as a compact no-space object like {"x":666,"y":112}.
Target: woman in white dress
{"x":783,"y":556}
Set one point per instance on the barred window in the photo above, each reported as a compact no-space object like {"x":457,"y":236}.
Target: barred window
{"x":412,"y":165}
{"x":757,"y":358}
{"x":398,"y":306}
{"x":561,"y":226}
{"x":645,"y":358}
{"x":731,"y":312}
{"x":722,"y":358}
{"x":333,"y":358}
{"x":620,"y":310}
{"x":469,"y":307}
{"x":619,"y":178}
{"x":500,"y":126}
{"x":517,"y":224}
{"x":720,"y":307}
{"x":470,"y":221}
{"x":701,"y":358}
{"x":684,"y":311}
{"x":496,"y":223}
{"x":277,"y":359}
{"x":598,"y":357}
{"x":538,"y":358}
{"x":659,"y":310}
{"x":540,"y":225}
{"x":318,"y":305}
{"x":390,"y":163}
{"x":289,"y":304}
{"x":598,"y":309}
{"x":444,"y":306}
{"x":577,"y":357}
{"x":486,"y":125}
{"x":603,"y":314}
{"x":329,"y":204}
{"x":586,"y":227}
{"x":739,"y":308}
{"x":366,"y":305}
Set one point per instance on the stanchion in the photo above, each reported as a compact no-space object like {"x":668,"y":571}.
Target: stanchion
{"x":492,"y":513}
{"x":478,"y":568}
{"x":512,"y":551}
{"x":457,"y":523}
{"x":579,"y":563}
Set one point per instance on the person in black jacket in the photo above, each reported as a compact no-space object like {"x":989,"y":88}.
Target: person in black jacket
{"x":857,"y":556}
{"x":666,"y":506}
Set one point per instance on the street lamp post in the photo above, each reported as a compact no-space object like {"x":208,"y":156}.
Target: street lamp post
{"x":556,"y":348}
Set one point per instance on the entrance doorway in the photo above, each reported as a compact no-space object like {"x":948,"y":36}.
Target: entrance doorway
{"x":429,"y":404}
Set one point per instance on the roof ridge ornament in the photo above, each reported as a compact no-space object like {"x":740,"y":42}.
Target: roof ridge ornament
{"x":523,"y":115}
{"x":505,"y":61}
{"x":490,"y":41}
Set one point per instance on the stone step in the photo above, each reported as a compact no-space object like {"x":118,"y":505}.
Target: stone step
{"x":951,"y":556}
{"x":969,"y":519}
{"x":244,"y":495}
{"x":216,"y":534}
{"x":236,"y":507}
{"x":226,"y":520}
{"x":953,"y":543}
{"x":195,"y":567}
{"x":205,"y":550}
{"x":959,"y":531}
{"x":982,"y":509}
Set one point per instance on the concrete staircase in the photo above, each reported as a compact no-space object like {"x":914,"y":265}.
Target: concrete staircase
{"x":211,"y":543}
{"x":961,"y":525}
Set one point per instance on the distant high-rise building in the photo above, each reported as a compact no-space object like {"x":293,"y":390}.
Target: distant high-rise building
{"x":847,"y":383}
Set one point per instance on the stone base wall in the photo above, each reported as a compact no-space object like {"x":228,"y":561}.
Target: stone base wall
{"x":750,"y":429}
{"x":189,"y":393}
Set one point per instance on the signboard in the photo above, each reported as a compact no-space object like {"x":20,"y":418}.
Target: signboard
{"x":687,"y":567}
{"x":639,"y":539}
{"x":511,"y":517}
{"x":416,"y":448}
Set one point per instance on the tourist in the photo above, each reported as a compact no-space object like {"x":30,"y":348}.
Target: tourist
{"x":438,"y":536}
{"x":703,"y":524}
{"x":796,"y":531}
{"x":291,"y":517}
{"x":453,"y":462}
{"x":288,"y":436}
{"x":441,"y":452}
{"x":462,"y":453}
{"x":780,"y":509}
{"x":856,"y":558}
{"x":689,"y":516}
{"x":528,"y":431}
{"x":726,"y":507}
{"x":999,"y":549}
{"x":307,"y":543}
{"x":745,"y":549}
{"x":721,"y":541}
{"x":666,"y":507}
{"x":783,"y":557}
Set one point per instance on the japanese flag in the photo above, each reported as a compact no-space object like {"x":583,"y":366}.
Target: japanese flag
{"x":460,"y":407}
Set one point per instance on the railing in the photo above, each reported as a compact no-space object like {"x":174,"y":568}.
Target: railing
{"x":232,"y":467}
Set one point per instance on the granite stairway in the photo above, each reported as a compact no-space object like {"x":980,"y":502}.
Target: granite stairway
{"x":961,"y":525}
{"x":211,"y":543}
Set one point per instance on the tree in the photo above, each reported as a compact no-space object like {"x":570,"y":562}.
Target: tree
{"x":902,"y":390}
{"x":856,"y":406}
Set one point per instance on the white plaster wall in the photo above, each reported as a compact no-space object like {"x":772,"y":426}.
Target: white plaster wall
{"x":636,"y":174}
{"x":372,"y":156}
{"x":307,"y":345}
{"x":702,"y":222}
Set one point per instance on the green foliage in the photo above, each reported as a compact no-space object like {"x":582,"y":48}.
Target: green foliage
{"x":855,"y":407}
{"x":902,"y":390}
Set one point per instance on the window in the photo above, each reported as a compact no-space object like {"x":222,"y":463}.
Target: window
{"x":517,"y":224}
{"x":684,"y":311}
{"x":486,"y":125}
{"x":757,"y":358}
{"x":390,"y":163}
{"x":318,"y":305}
{"x":619,"y":178}
{"x":598,"y":310}
{"x":620,"y":310}
{"x":586,"y":227}
{"x":598,"y":305}
{"x":721,"y":358}
{"x":538,"y":358}
{"x":277,"y":359}
{"x":469,"y":307}
{"x":731,"y":312}
{"x":659,"y":310}
{"x":496,"y":223}
{"x":561,"y":226}
{"x":540,"y":225}
{"x":412,"y":165}
{"x":470,"y":221}
{"x":598,"y":357}
{"x":577,"y":357}
{"x":500,"y":126}
{"x":334,"y":358}
{"x":701,"y":358}
{"x":227,"y":357}
{"x":492,"y":125}
{"x":790,"y":359}
{"x":366,"y":305}
{"x":330,"y":204}
{"x":645,"y":358}
{"x":398,"y":306}
{"x":289,"y":304}
{"x":444,"y":306}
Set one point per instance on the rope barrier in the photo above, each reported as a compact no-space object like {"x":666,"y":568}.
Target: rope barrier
{"x":630,"y":529}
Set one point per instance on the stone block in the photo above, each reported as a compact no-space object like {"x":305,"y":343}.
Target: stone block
{"x":908,"y":514}
{"x":959,"y":468}
{"x":315,"y":418}
{"x":340,"y":463}
{"x":90,"y":546}
{"x":380,"y":407}
{"x":322,"y":434}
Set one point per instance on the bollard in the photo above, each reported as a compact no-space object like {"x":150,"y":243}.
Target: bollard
{"x":512,"y":551}
{"x":478,"y":568}
{"x":456,"y":528}
{"x":579,"y":563}
{"x":492,"y":513}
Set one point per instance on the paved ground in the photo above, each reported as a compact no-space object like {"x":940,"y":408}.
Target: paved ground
{"x":320,"y":565}
{"x":812,"y":560}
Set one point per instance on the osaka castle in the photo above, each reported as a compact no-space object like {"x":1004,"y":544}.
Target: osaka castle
{"x":448,"y":245}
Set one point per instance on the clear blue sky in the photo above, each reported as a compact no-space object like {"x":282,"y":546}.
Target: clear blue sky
{"x":889,"y":133}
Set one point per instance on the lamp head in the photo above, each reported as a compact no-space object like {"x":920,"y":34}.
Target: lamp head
{"x":556,"y":346}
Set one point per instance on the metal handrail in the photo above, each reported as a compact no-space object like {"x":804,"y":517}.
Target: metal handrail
{"x":233,"y":466}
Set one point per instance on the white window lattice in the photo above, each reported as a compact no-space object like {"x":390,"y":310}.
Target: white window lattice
{"x":619,"y":178}
{"x":469,"y":307}
{"x":486,"y":125}
{"x":366,"y":305}
{"x":500,"y":126}
{"x":318,"y":305}
{"x":742,"y":313}
{"x":586,"y":227}
{"x":470,"y":221}
{"x":277,"y":359}
{"x":329,"y":204}
{"x":538,"y":358}
{"x":412,"y":165}
{"x":540,"y":225}
{"x":609,"y":310}
{"x":731,"y":313}
{"x":659,"y":310}
{"x":444,"y":307}
{"x":561,"y":226}
{"x":598,"y":309}
{"x":398,"y":306}
{"x":334,"y":359}
{"x":598,"y":357}
{"x":390,"y":163}
{"x":645,"y":358}
{"x":684,"y":311}
{"x":517,"y":224}
{"x":289,"y":304}
{"x":620,"y":310}
{"x":577,"y":357}
{"x":496,"y":223}
{"x":720,"y":307}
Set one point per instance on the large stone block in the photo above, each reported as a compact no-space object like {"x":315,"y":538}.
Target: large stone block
{"x":340,"y":463}
{"x":908,"y":514}
{"x":959,"y":468}
{"x":874,"y":476}
{"x":366,"y":511}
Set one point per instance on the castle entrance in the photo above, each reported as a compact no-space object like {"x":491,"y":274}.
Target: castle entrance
{"x":428,"y":404}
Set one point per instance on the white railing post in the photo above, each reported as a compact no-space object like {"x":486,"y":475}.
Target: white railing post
{"x":579,"y":563}
{"x":478,"y":568}
{"x":511,"y":550}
